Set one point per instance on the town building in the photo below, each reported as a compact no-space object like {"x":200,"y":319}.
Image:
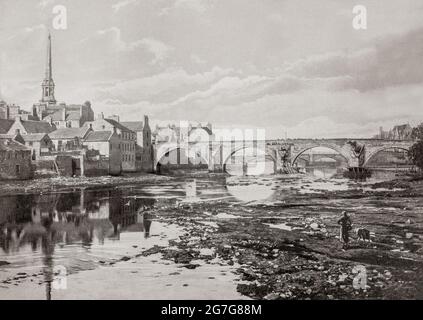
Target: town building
{"x":39,"y":143}
{"x":398,"y":132}
{"x":59,"y":114}
{"x":66,"y":139}
{"x":64,"y":116}
{"x":144,"y":152}
{"x":108,"y":144}
{"x":127,"y":140}
{"x":15,"y":160}
{"x":12,"y":111}
{"x":30,"y":126}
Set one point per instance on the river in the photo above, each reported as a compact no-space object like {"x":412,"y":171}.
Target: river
{"x":91,"y":242}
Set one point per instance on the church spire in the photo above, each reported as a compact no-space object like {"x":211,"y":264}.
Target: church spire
{"x":48,"y":83}
{"x":48,"y":63}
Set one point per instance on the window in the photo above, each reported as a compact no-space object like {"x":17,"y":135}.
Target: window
{"x":30,"y":143}
{"x":18,"y":169}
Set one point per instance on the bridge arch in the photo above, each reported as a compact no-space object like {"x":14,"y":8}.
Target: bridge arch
{"x":376,"y":151}
{"x":165,"y":151}
{"x":265,"y":152}
{"x":335,"y":148}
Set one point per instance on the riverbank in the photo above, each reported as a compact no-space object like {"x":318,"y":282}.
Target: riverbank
{"x":62,"y":183}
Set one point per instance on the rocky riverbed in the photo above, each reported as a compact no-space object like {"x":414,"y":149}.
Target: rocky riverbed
{"x":260,"y":238}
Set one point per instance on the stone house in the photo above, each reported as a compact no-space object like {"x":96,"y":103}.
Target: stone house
{"x":144,"y":153}
{"x":127,"y":140}
{"x":108,"y":144}
{"x":65,"y":116}
{"x":65,"y":139}
{"x":30,"y":126}
{"x":15,"y":160}
{"x":39,"y":143}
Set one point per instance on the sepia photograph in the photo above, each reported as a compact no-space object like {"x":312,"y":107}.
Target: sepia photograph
{"x":211,"y":150}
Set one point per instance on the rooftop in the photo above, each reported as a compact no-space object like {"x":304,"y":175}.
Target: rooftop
{"x":117,"y":125}
{"x":69,"y":133}
{"x":33,"y":136}
{"x":37,"y":126}
{"x":12,"y":145}
{"x":5,"y":125}
{"x":98,"y":136}
{"x":134,"y":125}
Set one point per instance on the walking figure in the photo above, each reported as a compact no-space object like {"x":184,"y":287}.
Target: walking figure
{"x":346,"y":226}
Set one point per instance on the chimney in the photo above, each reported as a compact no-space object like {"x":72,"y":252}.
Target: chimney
{"x":115,"y":117}
{"x":64,"y":114}
{"x":18,"y":118}
{"x":100,"y":115}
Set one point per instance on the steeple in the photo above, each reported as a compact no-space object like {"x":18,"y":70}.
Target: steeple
{"x":48,"y":83}
{"x":48,"y":62}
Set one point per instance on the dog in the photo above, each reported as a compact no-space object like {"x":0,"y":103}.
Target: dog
{"x":363,"y":234}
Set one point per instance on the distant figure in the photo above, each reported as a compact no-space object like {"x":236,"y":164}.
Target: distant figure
{"x":363,"y":234}
{"x":345,"y":223}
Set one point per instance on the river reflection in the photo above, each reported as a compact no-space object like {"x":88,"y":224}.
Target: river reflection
{"x":37,"y":222}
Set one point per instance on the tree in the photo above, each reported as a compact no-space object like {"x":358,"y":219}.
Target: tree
{"x":417,"y":133}
{"x":416,"y":154}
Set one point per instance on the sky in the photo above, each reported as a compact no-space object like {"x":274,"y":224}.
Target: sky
{"x":296,"y":68}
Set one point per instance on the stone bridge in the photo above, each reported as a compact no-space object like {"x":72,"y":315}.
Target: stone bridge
{"x":283,"y":152}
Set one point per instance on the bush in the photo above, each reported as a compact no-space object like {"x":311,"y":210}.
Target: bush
{"x":417,"y":133}
{"x":416,"y":154}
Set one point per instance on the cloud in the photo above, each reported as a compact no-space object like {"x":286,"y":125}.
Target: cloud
{"x":109,"y":42}
{"x":45,"y":3}
{"x":121,"y":4}
{"x":164,"y":87}
{"x":196,"y":59}
{"x":198,"y":6}
{"x":390,"y":61}
{"x":159,"y":49}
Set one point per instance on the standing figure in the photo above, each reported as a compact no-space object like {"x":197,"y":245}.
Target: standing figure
{"x":346,"y":226}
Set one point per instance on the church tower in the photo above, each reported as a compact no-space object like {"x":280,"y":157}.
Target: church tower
{"x":48,"y":83}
